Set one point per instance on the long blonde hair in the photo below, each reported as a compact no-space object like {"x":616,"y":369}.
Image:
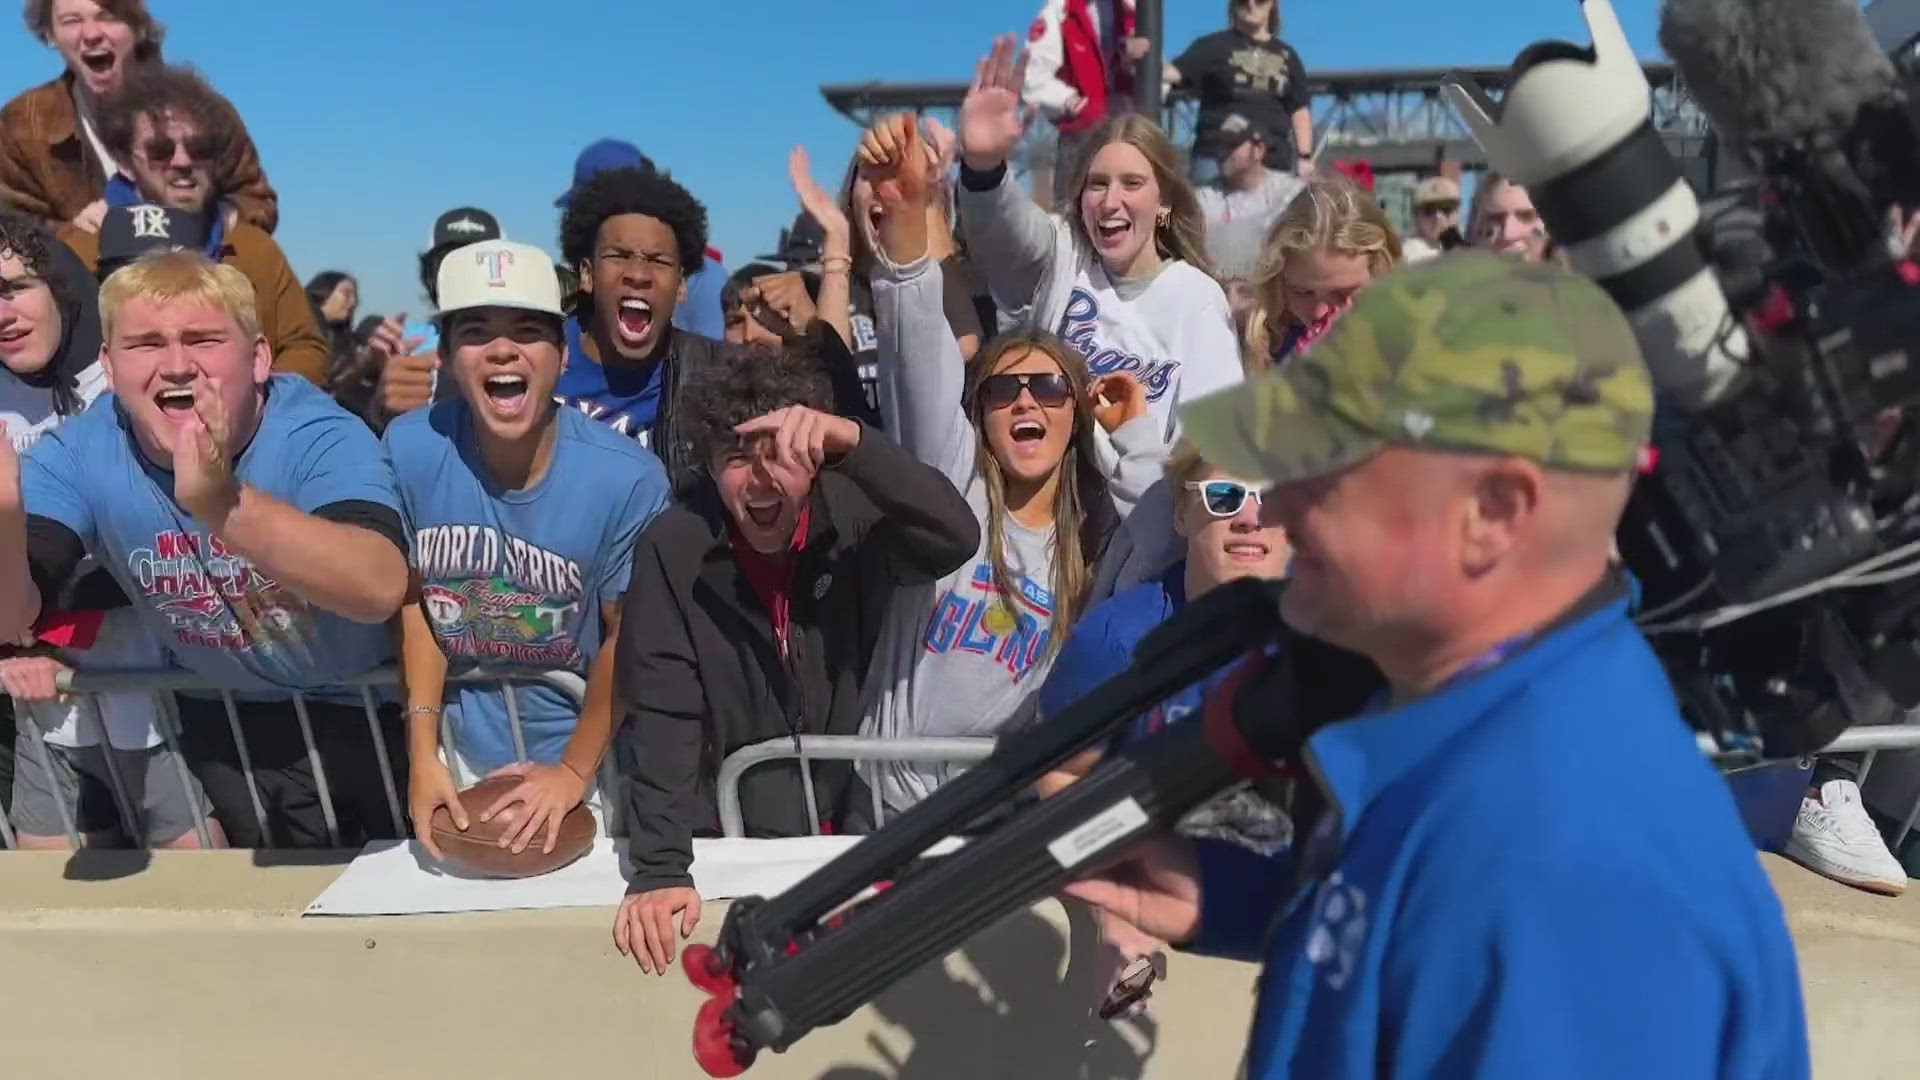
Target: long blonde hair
{"x":1083,"y":516}
{"x":1184,"y":236}
{"x":1332,"y":214}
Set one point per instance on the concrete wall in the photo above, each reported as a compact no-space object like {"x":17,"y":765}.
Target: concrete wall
{"x":195,"y":965}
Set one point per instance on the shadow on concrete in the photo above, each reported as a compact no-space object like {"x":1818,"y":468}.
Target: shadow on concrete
{"x":304,"y":856}
{"x":107,"y":864}
{"x":1013,"y":1016}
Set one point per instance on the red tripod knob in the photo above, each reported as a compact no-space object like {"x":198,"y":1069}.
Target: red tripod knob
{"x":714,"y":1047}
{"x":706,"y":970}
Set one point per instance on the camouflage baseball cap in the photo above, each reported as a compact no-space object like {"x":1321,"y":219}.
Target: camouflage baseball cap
{"x":1466,"y":352}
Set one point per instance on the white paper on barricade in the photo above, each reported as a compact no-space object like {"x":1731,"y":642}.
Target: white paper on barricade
{"x":390,"y":877}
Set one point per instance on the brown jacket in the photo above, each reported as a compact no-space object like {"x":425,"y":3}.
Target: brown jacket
{"x":48,"y":170}
{"x":286,"y":318}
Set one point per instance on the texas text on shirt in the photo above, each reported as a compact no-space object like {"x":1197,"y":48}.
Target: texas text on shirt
{"x":517,"y":579}
{"x":87,"y":489}
{"x":1491,"y":890}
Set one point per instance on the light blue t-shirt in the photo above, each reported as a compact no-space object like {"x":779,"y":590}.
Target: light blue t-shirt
{"x":514,"y":580}
{"x":212,"y":609}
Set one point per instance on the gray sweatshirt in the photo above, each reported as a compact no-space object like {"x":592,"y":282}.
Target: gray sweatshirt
{"x":958,"y":658}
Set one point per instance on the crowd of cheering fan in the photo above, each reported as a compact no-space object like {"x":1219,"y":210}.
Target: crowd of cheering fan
{"x":922,"y":475}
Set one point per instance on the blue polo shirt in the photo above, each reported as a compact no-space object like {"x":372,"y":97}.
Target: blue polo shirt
{"x":1533,"y":872}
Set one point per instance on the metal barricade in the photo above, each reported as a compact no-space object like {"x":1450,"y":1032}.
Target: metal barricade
{"x":806,"y":748}
{"x":1867,"y":740}
{"x":162,"y":683}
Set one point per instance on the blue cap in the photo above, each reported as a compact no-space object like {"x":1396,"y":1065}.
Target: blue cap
{"x":598,"y":158}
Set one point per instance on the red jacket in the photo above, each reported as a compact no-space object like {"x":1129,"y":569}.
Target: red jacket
{"x":1065,"y":57}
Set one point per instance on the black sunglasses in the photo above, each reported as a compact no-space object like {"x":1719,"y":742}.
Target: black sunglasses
{"x":1224,"y":498}
{"x":1050,"y":389}
{"x":201,"y":148}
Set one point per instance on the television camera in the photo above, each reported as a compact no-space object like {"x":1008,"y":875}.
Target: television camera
{"x":1776,"y":531}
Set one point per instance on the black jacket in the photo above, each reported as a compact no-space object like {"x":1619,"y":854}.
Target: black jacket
{"x":700,"y":674}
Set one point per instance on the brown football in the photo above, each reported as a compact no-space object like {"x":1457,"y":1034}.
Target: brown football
{"x":478,"y":849}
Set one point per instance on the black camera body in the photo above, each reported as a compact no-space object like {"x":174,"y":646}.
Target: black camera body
{"x":1774,"y":529}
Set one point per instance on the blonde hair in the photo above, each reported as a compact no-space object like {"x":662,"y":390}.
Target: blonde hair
{"x":1333,"y":214}
{"x":1184,"y":236}
{"x":1184,"y":464}
{"x":1083,"y":516}
{"x":180,"y":276}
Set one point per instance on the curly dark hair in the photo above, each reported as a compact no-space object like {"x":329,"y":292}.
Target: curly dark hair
{"x":148,"y":33}
{"x":744,"y":382}
{"x":637,"y":190}
{"x":157,"y":90}
{"x":24,"y":237}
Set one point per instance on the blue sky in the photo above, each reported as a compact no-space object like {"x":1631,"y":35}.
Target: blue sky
{"x":374,"y":115}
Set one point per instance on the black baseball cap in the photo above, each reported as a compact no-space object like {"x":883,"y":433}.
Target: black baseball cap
{"x":128,"y":232}
{"x":465,"y":225}
{"x":1236,"y":130}
{"x":800,"y":245}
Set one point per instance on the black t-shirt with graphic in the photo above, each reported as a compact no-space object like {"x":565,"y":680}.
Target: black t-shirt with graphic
{"x":1263,"y":81}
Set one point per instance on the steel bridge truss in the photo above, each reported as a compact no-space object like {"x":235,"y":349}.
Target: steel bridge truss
{"x":1394,"y":118}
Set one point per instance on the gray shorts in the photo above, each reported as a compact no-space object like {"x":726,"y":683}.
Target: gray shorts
{"x":81,"y":782}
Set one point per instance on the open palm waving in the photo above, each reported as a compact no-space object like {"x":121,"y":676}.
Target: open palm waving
{"x":992,"y":118}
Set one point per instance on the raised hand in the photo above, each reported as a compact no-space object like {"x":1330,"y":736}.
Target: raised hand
{"x":820,"y":206}
{"x":203,"y":481}
{"x":803,"y":437}
{"x":992,"y":118}
{"x":1117,"y":398}
{"x":943,"y":142}
{"x":894,"y":159}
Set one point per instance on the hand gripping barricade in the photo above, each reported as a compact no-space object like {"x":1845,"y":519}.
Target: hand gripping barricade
{"x":161,"y":683}
{"x":812,"y":955}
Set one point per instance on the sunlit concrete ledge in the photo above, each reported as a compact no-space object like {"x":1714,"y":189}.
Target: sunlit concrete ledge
{"x":197,"y":965}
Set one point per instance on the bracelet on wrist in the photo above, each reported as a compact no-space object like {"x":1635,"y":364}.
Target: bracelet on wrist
{"x":425,"y":710}
{"x":837,"y":264}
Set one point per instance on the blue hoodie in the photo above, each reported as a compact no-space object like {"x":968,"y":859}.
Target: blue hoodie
{"x":1530,"y":873}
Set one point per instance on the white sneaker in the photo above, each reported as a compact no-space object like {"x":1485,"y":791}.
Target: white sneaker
{"x":1834,"y":837}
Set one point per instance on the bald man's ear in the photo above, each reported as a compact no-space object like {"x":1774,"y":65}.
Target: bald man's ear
{"x":1505,"y":501}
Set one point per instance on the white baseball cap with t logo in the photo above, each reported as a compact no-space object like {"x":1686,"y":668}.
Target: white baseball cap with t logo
{"x":498,"y":273}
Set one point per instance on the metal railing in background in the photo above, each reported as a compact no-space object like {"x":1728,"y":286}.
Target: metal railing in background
{"x":163,"y":683}
{"x":1867,"y":740}
{"x":807,"y":748}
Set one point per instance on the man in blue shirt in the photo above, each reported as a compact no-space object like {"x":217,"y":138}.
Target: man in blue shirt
{"x":256,"y":529}
{"x":1478,"y":892}
{"x":636,"y":237}
{"x":515,"y":569}
{"x":699,"y":312}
